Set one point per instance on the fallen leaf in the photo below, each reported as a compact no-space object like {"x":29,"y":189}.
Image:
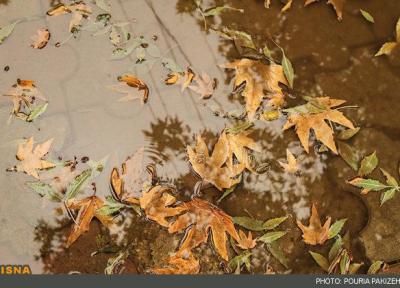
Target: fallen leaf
{"x":291,"y":165}
{"x":368,"y":164}
{"x":127,"y":184}
{"x":240,"y":38}
{"x":6,"y":31}
{"x":349,"y":155}
{"x":205,"y":85}
{"x":179,"y":264}
{"x":367,"y":16}
{"x":88,"y":208}
{"x":32,"y":159}
{"x":246,"y":242}
{"x":313,"y":116}
{"x":388,"y":47}
{"x":287,"y":6}
{"x":214,"y":11}
{"x":131,"y":81}
{"x":157,"y":204}
{"x":271,"y":237}
{"x":40,"y":39}
{"x":182,"y":78}
{"x":337,"y":5}
{"x":79,"y":11}
{"x":258,"y":77}
{"x":239,"y":146}
{"x":25,"y":97}
{"x":214,"y":169}
{"x":237,"y":262}
{"x":200,"y":218}
{"x":315,"y":233}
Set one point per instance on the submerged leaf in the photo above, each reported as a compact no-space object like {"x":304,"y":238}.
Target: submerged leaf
{"x":41,"y":38}
{"x":367,"y":16}
{"x":349,"y":155}
{"x":236,"y":263}
{"x":388,"y":47}
{"x":270,"y":237}
{"x":181,"y":264}
{"x":218,"y":10}
{"x":7,"y":30}
{"x":315,"y":233}
{"x":291,"y":165}
{"x":338,"y":5}
{"x":336,"y":227}
{"x":368,"y":164}
{"x":321,"y":260}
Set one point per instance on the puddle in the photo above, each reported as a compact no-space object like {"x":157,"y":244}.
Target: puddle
{"x":330,"y":58}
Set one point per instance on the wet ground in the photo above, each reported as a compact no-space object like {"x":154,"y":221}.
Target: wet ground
{"x":330,"y":58}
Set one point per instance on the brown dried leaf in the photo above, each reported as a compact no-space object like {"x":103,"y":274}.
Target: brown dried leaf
{"x":315,"y":233}
{"x":40,"y":39}
{"x":200,"y":218}
{"x":157,"y":204}
{"x":305,"y":121}
{"x":205,"y":85}
{"x":215,"y":169}
{"x":291,"y":166}
{"x":88,"y":208}
{"x":258,"y":77}
{"x":239,"y":146}
{"x":32,"y":159}
{"x":127,"y":186}
{"x":179,"y":264}
{"x":246,"y":242}
{"x":134,"y":82}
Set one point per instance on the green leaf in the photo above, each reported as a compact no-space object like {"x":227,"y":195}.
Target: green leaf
{"x":218,"y":10}
{"x":336,"y":227}
{"x":368,"y":164}
{"x":321,"y":260}
{"x":273,"y":223}
{"x":35,"y":113}
{"x":354,"y":267}
{"x":241,"y":38}
{"x":239,"y":128}
{"x":277,"y":252}
{"x":348,"y":133}
{"x":249,"y":223}
{"x":375,"y":267}
{"x":287,"y":69}
{"x":349,"y":155}
{"x":77,"y":184}
{"x":390,"y":180}
{"x":367,"y":16}
{"x":367,"y":184}
{"x":267,"y":53}
{"x":7,"y":30}
{"x":344,"y":263}
{"x":387,"y":195}
{"x":270,"y":237}
{"x":335,"y":249}
{"x":45,"y":190}
{"x":236,"y":263}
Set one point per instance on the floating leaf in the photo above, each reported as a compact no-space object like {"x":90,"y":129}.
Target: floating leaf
{"x":288,"y":69}
{"x":388,"y":47}
{"x":315,"y":233}
{"x":246,"y":242}
{"x":375,"y":267}
{"x":249,"y":223}
{"x":368,"y":164}
{"x":291,"y":165}
{"x":41,"y":38}
{"x":237,"y":262}
{"x":218,"y":10}
{"x":336,"y":227}
{"x":321,"y":260}
{"x":241,"y":39}
{"x":336,"y":248}
{"x":6,"y":31}
{"x":205,"y":85}
{"x":387,"y":195}
{"x":273,"y":223}
{"x":277,"y":252}
{"x":349,"y":155}
{"x":36,"y":112}
{"x":367,"y":16}
{"x":314,"y":115}
{"x":179,"y":264}
{"x":348,"y":133}
{"x":390,"y":180}
{"x":367,"y":184}
{"x":270,"y":237}
{"x":337,"y":5}
{"x":45,"y":190}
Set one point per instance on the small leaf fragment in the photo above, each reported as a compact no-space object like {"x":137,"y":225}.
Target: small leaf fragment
{"x":367,"y":16}
{"x":35,"y":113}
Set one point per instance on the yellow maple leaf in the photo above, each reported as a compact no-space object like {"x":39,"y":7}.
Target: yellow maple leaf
{"x":200,"y":218}
{"x":246,"y":242}
{"x":315,"y":233}
{"x":239,"y":145}
{"x":179,"y":264}
{"x":258,"y":77}
{"x":214,"y":169}
{"x":32,"y":159}
{"x":313,"y":116}
{"x":388,"y":47}
{"x":291,"y":166}
{"x":88,"y":209}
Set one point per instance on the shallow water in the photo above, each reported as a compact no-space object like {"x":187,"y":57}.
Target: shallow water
{"x":84,"y":117}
